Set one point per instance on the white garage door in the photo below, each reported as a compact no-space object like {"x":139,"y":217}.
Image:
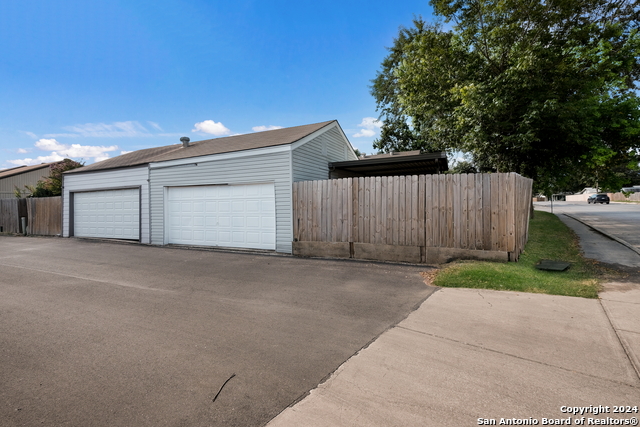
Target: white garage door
{"x":238,"y":216}
{"x":113,"y":214}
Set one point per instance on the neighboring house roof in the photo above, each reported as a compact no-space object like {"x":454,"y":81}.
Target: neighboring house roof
{"x":207,"y":147}
{"x":5,"y":173}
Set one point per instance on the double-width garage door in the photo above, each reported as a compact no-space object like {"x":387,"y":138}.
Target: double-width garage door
{"x":113,"y":214}
{"x":239,"y":216}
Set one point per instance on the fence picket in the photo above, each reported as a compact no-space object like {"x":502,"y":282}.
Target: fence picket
{"x":308,"y":202}
{"x":471,"y":211}
{"x":487,"y":191}
{"x":456,"y":181}
{"x":421,"y":219}
{"x":479,"y":244}
{"x":402,"y":204}
{"x":384,"y":218}
{"x":337,"y":209}
{"x":502,"y":218}
{"x":495,"y":211}
{"x":413,"y":239}
{"x":510,"y":195}
{"x":428,"y":207}
{"x":464,"y":211}
{"x":449,"y":211}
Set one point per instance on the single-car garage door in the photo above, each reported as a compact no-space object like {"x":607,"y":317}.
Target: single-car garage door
{"x":238,"y":216}
{"x":113,"y":214}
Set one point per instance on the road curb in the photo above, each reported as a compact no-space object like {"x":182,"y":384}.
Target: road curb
{"x":599,"y":230}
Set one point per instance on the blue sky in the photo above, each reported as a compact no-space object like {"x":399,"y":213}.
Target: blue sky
{"x":92,"y":79}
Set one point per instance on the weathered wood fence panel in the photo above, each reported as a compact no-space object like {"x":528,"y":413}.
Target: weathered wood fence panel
{"x":620,"y":197}
{"x":10,"y":212}
{"x":487,"y":212}
{"x":44,"y":216}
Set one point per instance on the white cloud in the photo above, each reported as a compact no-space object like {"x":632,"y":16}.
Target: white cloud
{"x":60,"y":151}
{"x":127,"y":129}
{"x":156,"y":126}
{"x":364,"y":132}
{"x":74,"y":150}
{"x":31,"y":134}
{"x":48,"y":144}
{"x":54,"y":157}
{"x":22,"y":150}
{"x":125,"y":152}
{"x":211,"y":127}
{"x":263,"y":128}
{"x":369,"y":125}
{"x":105,"y":156}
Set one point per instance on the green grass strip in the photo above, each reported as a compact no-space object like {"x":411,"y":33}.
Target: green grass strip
{"x":549,"y":238}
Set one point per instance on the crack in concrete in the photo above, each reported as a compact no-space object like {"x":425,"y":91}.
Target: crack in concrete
{"x":123,"y":284}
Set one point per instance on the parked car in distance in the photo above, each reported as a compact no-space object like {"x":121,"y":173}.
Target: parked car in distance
{"x":598,"y":198}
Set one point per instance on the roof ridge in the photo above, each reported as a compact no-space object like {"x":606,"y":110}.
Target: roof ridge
{"x":4,"y":173}
{"x":225,"y":144}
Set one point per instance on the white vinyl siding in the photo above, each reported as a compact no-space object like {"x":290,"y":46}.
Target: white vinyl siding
{"x":237,"y":216}
{"x":111,"y":214}
{"x":271,"y":168}
{"x":102,"y":180}
{"x":310,"y":160}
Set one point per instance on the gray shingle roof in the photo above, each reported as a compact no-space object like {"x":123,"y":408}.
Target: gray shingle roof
{"x":4,"y":173}
{"x":207,"y":147}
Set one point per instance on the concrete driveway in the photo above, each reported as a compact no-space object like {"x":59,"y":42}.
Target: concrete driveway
{"x":104,"y":334}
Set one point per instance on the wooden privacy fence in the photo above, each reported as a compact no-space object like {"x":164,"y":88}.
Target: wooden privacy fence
{"x":620,"y":197}
{"x":44,"y":215}
{"x":439,"y":216}
{"x":10,"y":212}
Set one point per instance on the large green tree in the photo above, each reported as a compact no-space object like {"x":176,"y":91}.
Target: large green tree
{"x":543,"y":88}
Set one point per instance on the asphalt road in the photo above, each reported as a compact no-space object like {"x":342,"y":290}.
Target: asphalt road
{"x":621,"y":220}
{"x":105,"y":334}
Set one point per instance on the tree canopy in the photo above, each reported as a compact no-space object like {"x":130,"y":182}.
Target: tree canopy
{"x":51,"y":185}
{"x":543,"y":88}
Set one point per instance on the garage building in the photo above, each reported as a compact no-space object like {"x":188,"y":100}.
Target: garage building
{"x":229,"y":192}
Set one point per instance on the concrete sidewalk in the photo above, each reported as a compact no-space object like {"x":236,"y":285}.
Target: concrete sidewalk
{"x":467,"y":357}
{"x":468,"y":354}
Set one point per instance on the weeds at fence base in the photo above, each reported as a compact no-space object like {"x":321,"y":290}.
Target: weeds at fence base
{"x":549,"y":238}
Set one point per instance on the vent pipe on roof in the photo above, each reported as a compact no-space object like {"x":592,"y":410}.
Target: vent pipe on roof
{"x":185,"y":141}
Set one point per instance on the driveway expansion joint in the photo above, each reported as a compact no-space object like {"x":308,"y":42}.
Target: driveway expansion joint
{"x":624,"y":302}
{"x":637,"y":386}
{"x":625,"y":346}
{"x":628,"y":331}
